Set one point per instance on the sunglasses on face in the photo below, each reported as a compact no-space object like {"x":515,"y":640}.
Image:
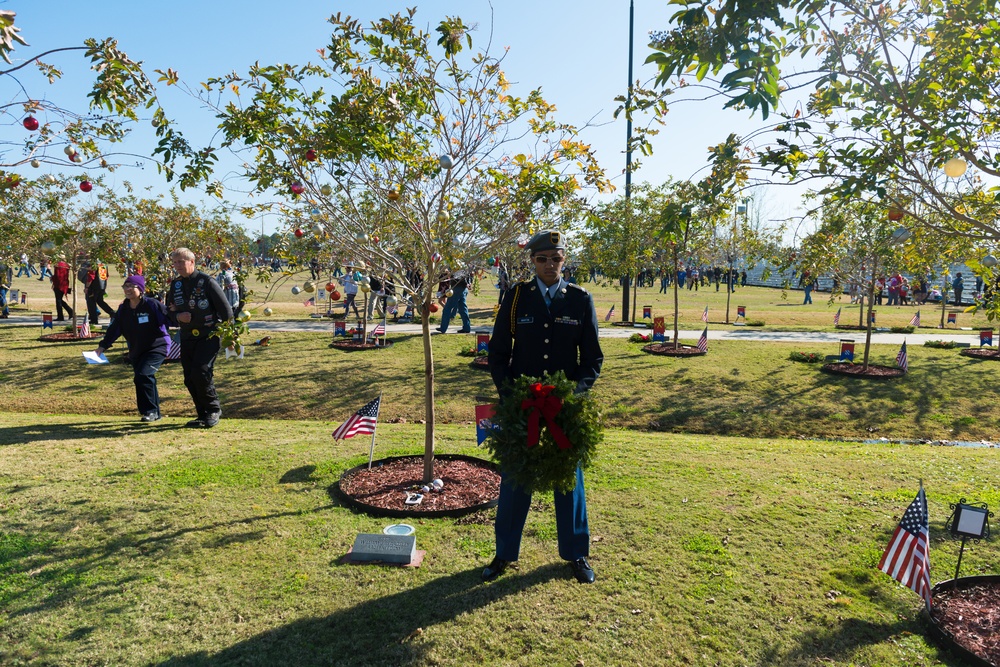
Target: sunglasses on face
{"x":545,"y":259}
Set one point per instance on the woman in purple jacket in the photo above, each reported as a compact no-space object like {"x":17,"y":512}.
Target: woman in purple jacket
{"x":142,"y":320}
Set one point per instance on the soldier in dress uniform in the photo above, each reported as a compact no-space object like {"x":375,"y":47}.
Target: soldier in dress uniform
{"x":196,"y":303}
{"x":543,"y":326}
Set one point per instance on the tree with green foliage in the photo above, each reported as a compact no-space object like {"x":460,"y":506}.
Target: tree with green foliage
{"x":889,"y":102}
{"x":417,"y":159}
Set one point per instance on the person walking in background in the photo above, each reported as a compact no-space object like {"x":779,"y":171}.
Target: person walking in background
{"x":807,"y":286}
{"x":96,"y":288}
{"x":543,"y":326}
{"x":957,"y":286}
{"x":350,"y":291}
{"x":228,"y":283}
{"x":143,"y":322}
{"x":45,"y":270}
{"x":456,"y":303}
{"x":198,"y":306}
{"x":60,"y":287}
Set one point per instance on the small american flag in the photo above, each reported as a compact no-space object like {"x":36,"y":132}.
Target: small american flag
{"x":704,"y":315}
{"x":85,"y":329}
{"x":173,"y":349}
{"x":901,"y":357}
{"x":362,"y":421}
{"x":607,"y":318}
{"x":836,"y":318}
{"x":915,"y":320}
{"x":906,"y":559}
{"x":703,"y":341}
{"x":379,"y":330}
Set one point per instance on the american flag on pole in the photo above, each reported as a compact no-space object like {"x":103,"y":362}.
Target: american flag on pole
{"x":611,"y":313}
{"x":901,"y":357}
{"x":703,"y":341}
{"x":85,"y":329}
{"x":836,"y":318}
{"x":379,"y":330}
{"x":362,"y":421}
{"x":906,"y":559}
{"x":704,"y":315}
{"x":915,"y":320}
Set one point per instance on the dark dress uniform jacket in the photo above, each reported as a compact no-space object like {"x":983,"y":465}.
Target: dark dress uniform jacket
{"x":530,"y":338}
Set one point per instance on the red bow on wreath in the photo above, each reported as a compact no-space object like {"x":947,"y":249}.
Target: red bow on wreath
{"x":544,"y":404}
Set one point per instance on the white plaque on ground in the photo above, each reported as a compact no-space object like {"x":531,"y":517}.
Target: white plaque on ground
{"x":385,"y":548}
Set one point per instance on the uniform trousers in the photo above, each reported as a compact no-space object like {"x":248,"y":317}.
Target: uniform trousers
{"x":571,"y":520}
{"x":144,"y":367}
{"x":198,"y":359}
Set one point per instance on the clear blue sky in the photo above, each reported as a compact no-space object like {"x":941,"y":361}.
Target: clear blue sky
{"x":575,"y":51}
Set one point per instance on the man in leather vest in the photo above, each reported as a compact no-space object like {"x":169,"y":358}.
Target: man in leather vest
{"x":545,"y":325}
{"x":196,"y":303}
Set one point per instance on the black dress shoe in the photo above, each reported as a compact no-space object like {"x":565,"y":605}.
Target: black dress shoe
{"x":582,"y":571}
{"x":464,"y":331}
{"x":495,"y":569}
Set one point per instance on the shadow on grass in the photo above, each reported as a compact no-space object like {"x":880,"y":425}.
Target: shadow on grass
{"x":841,"y":642}
{"x":385,"y":631}
{"x":19,"y":435}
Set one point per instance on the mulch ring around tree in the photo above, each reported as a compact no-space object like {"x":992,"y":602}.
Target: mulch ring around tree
{"x":856,"y":370}
{"x":354,"y":345}
{"x":68,"y":337}
{"x":470,"y":484}
{"x":668,"y":349}
{"x":481,"y":363}
{"x":987,"y":354}
{"x":966,"y":618}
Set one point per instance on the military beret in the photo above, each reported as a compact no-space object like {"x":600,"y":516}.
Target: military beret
{"x":547,"y":239}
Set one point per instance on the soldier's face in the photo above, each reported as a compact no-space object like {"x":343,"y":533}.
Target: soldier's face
{"x":548,"y":264}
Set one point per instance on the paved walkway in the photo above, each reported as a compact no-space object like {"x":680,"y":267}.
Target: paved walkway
{"x":730,"y":333}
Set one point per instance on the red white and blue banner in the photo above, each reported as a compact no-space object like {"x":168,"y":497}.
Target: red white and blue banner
{"x":46,"y":320}
{"x":847,"y":350}
{"x":952,"y":318}
{"x":482,"y":342}
{"x":484,"y":422}
{"x":647,"y":312}
{"x":986,"y":337}
{"x":340,"y":328}
{"x":659,"y":329}
{"x":741,"y":311}
{"x":873,"y":318}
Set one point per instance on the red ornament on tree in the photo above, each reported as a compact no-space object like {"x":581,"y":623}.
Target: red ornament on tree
{"x":311,"y":155}
{"x":30,"y":123}
{"x":896,"y":214}
{"x":434,"y":307}
{"x":86,"y":186}
{"x":297,"y":188}
{"x":298,"y":233}
{"x":335,"y":295}
{"x":331,"y":288}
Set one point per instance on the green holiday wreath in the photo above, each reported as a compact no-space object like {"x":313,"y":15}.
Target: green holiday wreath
{"x":545,"y":431}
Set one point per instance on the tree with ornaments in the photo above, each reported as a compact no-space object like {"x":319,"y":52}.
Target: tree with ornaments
{"x":409,"y":154}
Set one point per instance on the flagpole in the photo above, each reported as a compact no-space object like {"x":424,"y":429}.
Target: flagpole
{"x":371,"y":450}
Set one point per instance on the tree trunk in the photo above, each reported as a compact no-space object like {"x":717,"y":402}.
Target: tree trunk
{"x":944,"y":299}
{"x":425,"y":322}
{"x":729,"y":288}
{"x":625,"y":298}
{"x":635,"y":296}
{"x":871,"y":302}
{"x":861,"y":309}
{"x":676,"y":303}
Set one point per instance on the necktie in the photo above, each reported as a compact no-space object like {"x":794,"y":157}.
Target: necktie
{"x":548,"y":298}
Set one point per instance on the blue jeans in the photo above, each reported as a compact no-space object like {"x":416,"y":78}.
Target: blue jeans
{"x":147,"y":397}
{"x":456,"y":304}
{"x":808,"y":298}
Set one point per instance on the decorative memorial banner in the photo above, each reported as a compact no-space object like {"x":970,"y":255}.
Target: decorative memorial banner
{"x":647,"y":312}
{"x":14,"y":295}
{"x":340,"y":328}
{"x":986,"y":337}
{"x":24,"y":298}
{"x":952,"y":318}
{"x":46,"y":320}
{"x":873,"y":318}
{"x":659,"y":329}
{"x":484,"y":422}
{"x":321,"y":295}
{"x":847,"y":350}
{"x":482,"y":342}
{"x":741,"y":311}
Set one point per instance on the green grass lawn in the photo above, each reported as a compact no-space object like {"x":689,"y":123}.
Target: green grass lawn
{"x":155,"y":545}
{"x":130,"y":544}
{"x":739,"y":388}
